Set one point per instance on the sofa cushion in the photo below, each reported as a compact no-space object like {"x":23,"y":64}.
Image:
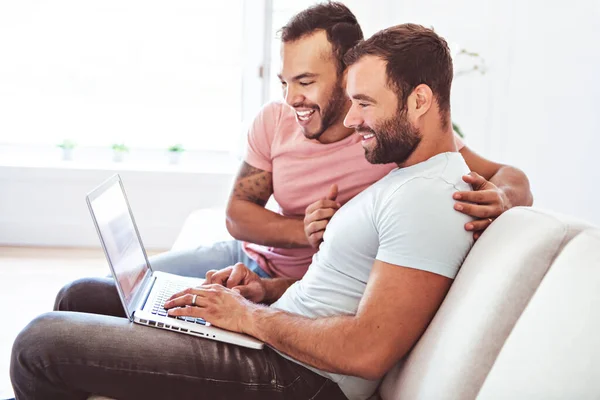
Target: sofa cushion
{"x":202,"y":228}
{"x":553,"y":351}
{"x":495,"y":283}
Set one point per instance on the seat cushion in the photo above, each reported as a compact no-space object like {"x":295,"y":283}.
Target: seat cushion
{"x":202,"y":228}
{"x":495,"y":283}
{"x":553,"y":351}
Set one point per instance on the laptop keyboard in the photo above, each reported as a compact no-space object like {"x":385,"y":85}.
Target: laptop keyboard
{"x":168,"y":290}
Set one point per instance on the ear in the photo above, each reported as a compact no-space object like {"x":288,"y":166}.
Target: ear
{"x":420,"y":100}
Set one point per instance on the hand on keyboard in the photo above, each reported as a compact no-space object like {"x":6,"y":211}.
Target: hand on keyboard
{"x":223,"y":307}
{"x":240,"y":278}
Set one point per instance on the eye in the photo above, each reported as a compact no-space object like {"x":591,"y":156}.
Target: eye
{"x":306,"y":83}
{"x":283,"y":84}
{"x":363,"y":105}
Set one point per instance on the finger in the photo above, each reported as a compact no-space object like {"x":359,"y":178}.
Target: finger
{"x":480,"y":196}
{"x":475,"y":180}
{"x":478,"y":211}
{"x":316,"y":237}
{"x":197,"y":312}
{"x":249,"y":292}
{"x":323,"y":203}
{"x":320,"y":214}
{"x":209,"y":274}
{"x":476,"y":235}
{"x":316,"y":227}
{"x":182,"y":301}
{"x":238,"y":273}
{"x":180,"y":294}
{"x":220,"y":277}
{"x":333,"y":192}
{"x":478,"y":225}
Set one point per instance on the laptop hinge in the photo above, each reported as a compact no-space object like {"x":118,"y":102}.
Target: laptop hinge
{"x":144,"y":293}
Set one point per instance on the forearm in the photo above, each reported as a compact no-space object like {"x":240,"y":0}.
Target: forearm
{"x":275,"y":288}
{"x":253,"y":223}
{"x":332,"y":344}
{"x":515,"y":185}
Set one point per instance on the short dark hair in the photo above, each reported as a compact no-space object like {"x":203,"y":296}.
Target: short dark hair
{"x":414,"y":55}
{"x":343,"y":30}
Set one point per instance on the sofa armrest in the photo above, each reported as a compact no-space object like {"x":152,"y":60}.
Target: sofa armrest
{"x":202,"y":228}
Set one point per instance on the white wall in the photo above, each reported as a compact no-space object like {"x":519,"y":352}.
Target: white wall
{"x":537,"y":107}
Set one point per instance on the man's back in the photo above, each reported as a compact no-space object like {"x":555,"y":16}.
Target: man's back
{"x":405,"y":219}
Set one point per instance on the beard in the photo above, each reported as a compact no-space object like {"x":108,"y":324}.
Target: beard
{"x":395,"y":140}
{"x":332,"y":112}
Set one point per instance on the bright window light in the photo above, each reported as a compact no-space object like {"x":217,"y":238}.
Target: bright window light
{"x":148,"y":74}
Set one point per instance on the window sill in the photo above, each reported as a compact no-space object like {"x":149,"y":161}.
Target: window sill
{"x":94,"y":159}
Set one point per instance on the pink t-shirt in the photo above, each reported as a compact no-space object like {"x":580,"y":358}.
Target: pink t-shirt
{"x":303,"y":171}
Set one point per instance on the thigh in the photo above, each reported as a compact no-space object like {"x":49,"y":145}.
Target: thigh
{"x":195,"y":262}
{"x":81,"y":354}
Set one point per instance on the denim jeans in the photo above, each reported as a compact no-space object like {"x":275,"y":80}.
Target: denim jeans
{"x":71,"y":355}
{"x":196,"y":262}
{"x":86,"y":347}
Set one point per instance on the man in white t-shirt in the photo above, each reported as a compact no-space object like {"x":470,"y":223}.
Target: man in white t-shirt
{"x":387,"y":260}
{"x":390,"y":254}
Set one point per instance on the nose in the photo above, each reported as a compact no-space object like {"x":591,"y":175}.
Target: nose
{"x":353,"y":118}
{"x":292,"y":96}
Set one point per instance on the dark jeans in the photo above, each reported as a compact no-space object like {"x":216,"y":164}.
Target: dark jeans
{"x":71,"y":355}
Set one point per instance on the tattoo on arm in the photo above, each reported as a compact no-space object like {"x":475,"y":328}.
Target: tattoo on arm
{"x":253,"y":184}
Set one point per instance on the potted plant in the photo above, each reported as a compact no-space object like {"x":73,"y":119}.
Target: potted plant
{"x":119,"y":151}
{"x":466,"y":63}
{"x":67,"y":147}
{"x":175,"y":153}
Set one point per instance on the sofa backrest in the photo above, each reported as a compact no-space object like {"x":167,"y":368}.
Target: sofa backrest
{"x":495,"y":283}
{"x":553,"y":352}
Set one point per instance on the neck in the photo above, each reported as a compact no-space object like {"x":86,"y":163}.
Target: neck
{"x":337,"y":131}
{"x":435,"y":140}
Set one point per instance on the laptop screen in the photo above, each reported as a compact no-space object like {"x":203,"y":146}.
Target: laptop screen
{"x":118,"y":233}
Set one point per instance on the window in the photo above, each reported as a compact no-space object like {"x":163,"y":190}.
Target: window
{"x":145,"y":73}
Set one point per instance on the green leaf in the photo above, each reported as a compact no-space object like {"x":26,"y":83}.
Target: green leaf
{"x":457,"y":129}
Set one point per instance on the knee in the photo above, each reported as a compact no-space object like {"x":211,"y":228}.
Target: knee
{"x":68,"y":297}
{"x":32,"y":344}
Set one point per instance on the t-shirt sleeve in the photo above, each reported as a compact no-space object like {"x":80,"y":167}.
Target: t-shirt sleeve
{"x":459,"y":142}
{"x":419,"y":228}
{"x":260,"y":137}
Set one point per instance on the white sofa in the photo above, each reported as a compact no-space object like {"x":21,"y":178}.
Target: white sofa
{"x":513,"y":307}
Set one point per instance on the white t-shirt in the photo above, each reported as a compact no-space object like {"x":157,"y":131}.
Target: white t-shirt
{"x":408,"y":219}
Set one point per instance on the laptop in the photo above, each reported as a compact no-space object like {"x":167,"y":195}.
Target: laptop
{"x":143,"y":292}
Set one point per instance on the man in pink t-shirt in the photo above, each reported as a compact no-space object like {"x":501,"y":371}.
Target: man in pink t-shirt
{"x":300,"y":152}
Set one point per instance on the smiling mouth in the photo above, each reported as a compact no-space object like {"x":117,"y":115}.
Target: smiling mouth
{"x":368,"y":136}
{"x":304,"y":115}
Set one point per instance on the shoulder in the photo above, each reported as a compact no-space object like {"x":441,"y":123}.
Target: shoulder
{"x":429,"y":187}
{"x":278,"y":112}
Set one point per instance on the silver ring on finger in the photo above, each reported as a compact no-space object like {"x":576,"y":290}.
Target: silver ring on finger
{"x":491,"y":220}
{"x":194,"y":300}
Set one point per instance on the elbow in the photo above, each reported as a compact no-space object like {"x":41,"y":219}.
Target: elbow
{"x":230,"y":218}
{"x":528,"y":201}
{"x":374,"y":365}
{"x":231,"y":228}
{"x":371,"y":373}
